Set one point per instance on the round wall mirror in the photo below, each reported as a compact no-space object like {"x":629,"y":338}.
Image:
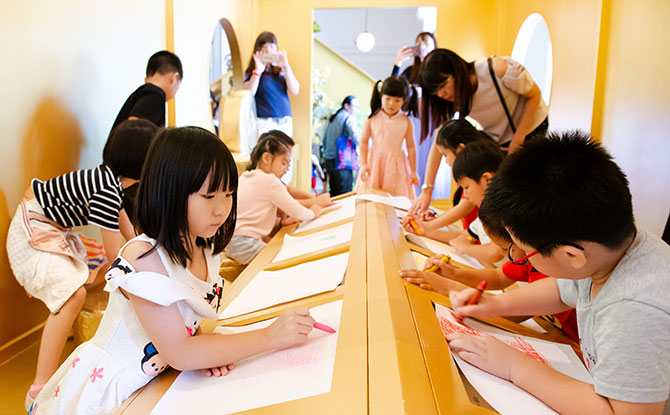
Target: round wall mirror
{"x":532,"y":48}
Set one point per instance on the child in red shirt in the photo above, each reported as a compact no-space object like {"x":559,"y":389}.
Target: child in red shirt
{"x":516,"y":269}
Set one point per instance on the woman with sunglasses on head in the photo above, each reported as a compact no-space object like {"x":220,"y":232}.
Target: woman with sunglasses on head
{"x":497,"y":92}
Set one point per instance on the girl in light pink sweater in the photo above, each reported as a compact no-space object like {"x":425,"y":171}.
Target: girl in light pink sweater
{"x":261,"y":195}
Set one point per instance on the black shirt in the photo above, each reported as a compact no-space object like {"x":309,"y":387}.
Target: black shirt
{"x":147,"y":103}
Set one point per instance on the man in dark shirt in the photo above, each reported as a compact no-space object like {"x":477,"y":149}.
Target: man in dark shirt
{"x":164,"y":75}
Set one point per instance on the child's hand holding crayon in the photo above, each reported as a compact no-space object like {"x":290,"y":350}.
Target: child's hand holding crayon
{"x":487,"y":305}
{"x":441,"y":265}
{"x":290,"y":329}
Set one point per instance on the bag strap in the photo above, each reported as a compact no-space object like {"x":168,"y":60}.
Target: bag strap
{"x":500,"y":95}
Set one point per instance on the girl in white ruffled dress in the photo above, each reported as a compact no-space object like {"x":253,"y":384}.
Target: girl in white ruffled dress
{"x":165,"y":282}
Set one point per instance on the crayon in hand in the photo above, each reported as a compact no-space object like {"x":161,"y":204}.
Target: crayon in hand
{"x":474,"y":298}
{"x":324,"y":327}
{"x":416,"y":228}
{"x":446,"y":258}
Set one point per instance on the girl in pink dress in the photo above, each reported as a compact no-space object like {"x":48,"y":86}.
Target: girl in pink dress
{"x":389,"y":163}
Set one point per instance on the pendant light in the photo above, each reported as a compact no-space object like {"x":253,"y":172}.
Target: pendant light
{"x":365,"y":41}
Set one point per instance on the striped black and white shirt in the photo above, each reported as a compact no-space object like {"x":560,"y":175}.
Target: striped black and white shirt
{"x":81,"y":197}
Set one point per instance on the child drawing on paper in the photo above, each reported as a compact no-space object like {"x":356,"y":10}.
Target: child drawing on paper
{"x":450,"y":326}
{"x":165,"y":282}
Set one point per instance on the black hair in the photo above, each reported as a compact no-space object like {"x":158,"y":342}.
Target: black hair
{"x":562,"y":188}
{"x":456,"y":132}
{"x":178,"y":163}
{"x":164,"y":62}
{"x":393,"y":86}
{"x":493,"y":226}
{"x":436,"y":68}
{"x":347,"y":101}
{"x":127,"y":146}
{"x":263,"y":38}
{"x":477,"y":158}
{"x":415,"y":71}
{"x":274,"y":142}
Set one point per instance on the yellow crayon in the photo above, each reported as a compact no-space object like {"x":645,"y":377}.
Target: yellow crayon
{"x":434,"y":267}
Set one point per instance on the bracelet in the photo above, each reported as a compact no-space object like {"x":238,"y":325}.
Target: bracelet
{"x":256,"y":73}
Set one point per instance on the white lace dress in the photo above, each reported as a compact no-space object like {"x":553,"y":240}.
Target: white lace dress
{"x":120,"y":358}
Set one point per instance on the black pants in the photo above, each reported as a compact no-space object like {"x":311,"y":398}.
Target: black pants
{"x":340,"y":181}
{"x":539,"y":131}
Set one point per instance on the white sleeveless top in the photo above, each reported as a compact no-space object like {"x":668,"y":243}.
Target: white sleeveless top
{"x":487,"y":108}
{"x":102,"y":372}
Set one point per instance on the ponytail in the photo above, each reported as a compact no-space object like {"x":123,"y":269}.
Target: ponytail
{"x":274,"y":142}
{"x":375,"y":100}
{"x":346,"y":100}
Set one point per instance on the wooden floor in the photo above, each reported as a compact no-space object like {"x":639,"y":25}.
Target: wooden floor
{"x":17,"y":374}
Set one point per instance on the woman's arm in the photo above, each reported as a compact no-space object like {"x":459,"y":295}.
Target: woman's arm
{"x":126,"y":228}
{"x":422,"y":202}
{"x":534,"y":95}
{"x":292,"y":83}
{"x":252,"y":83}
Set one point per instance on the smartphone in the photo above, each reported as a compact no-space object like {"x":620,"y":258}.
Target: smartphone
{"x":416,"y":50}
{"x":270,"y":58}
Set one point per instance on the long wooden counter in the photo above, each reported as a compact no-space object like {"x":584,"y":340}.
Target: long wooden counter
{"x":392,"y":357}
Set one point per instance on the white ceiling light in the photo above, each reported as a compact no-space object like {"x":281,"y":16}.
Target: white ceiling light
{"x":365,"y":41}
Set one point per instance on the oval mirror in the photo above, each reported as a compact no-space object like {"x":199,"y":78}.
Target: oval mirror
{"x":232,"y":112}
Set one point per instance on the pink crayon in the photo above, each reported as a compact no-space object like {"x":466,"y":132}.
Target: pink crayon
{"x":323,"y":327}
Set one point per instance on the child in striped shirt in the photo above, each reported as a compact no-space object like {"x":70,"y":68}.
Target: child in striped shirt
{"x":48,"y":259}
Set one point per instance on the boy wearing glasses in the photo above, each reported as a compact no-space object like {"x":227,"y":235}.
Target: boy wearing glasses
{"x":447,"y":277}
{"x":567,"y":206}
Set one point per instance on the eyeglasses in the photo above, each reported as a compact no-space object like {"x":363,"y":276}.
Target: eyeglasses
{"x":524,"y":260}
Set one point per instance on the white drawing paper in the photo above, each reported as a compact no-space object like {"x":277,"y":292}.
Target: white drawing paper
{"x":442,"y":248}
{"x":346,"y":210}
{"x":293,"y":246}
{"x":261,"y":380}
{"x":269,"y":288}
{"x":502,"y":395}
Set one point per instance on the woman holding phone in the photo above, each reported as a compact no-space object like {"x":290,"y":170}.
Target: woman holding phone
{"x":269,"y":78}
{"x":424,"y":44}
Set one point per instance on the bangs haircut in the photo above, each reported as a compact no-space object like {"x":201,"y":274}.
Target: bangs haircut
{"x":477,"y":158}
{"x":456,"y":132}
{"x":178,"y":163}
{"x":436,"y":68}
{"x":127,"y":146}
{"x":562,"y":188}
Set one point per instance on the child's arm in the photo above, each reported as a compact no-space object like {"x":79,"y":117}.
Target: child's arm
{"x":562,"y":393}
{"x":489,"y":252}
{"x":111,"y":241}
{"x":538,"y":298}
{"x":125,"y":226}
{"x":411,"y":151}
{"x":166,"y":329}
{"x":496,"y":279}
{"x":447,"y":278}
{"x":365,"y":136}
{"x":280,"y":197}
{"x":307,"y":199}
